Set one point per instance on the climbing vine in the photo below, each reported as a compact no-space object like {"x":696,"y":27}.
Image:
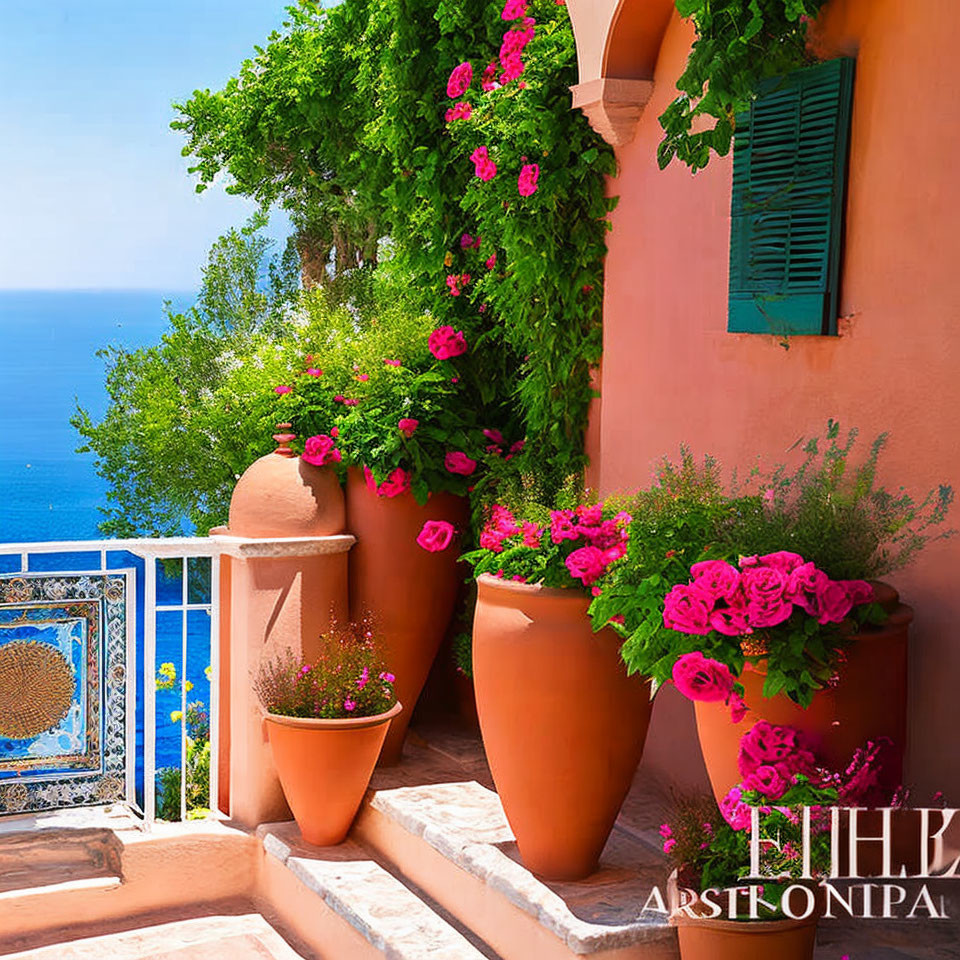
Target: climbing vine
{"x":350,"y":119}
{"x":738,"y":43}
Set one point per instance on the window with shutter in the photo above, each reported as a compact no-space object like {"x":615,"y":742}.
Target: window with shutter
{"x":789,"y":184}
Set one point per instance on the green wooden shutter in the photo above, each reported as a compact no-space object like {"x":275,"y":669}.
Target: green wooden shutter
{"x":789,"y":184}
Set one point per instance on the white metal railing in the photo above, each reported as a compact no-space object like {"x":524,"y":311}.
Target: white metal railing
{"x":150,"y":551}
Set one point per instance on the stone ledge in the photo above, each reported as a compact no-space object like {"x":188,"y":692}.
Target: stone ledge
{"x":374,"y":902}
{"x":465,"y":823}
{"x":252,"y":548}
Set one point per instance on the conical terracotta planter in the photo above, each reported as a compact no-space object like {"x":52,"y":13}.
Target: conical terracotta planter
{"x":325,"y":767}
{"x":409,"y":592}
{"x":745,"y":940}
{"x":563,"y":725}
{"x":869,"y":701}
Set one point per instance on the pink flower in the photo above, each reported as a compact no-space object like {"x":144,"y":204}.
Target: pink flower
{"x":387,"y":677}
{"x":715,"y":579}
{"x":435,"y":535}
{"x":735,"y":811}
{"x":349,"y":705}
{"x":618,"y":618}
{"x":396,"y":484}
{"x":446,"y":343}
{"x":491,"y":261}
{"x":320,"y":450}
{"x":669,"y":844}
{"x":514,"y":10}
{"x":504,"y":521}
{"x":531,"y":534}
{"x":483,"y":166}
{"x":313,"y":372}
{"x":699,"y":678}
{"x":349,"y":402}
{"x":282,"y":389}
{"x":766,"y":744}
{"x":686,"y":610}
{"x":527,"y":181}
{"x":493,"y":435}
{"x":488,"y":80}
{"x":459,"y":111}
{"x":738,"y":709}
{"x":821,"y":597}
{"x":764,"y":588}
{"x":458,"y":462}
{"x":586,"y":564}
{"x":467,"y":242}
{"x":731,"y":621}
{"x":363,"y":377}
{"x":456,"y":282}
{"x":512,"y":68}
{"x":334,"y":432}
{"x":859,"y":591}
{"x":460,"y":79}
{"x":407,"y":426}
{"x":561,"y":526}
{"x":339,"y":398}
{"x":768,"y":781}
{"x":364,"y":678}
{"x":515,"y":40}
{"x":391,"y":363}
{"x":665,"y":831}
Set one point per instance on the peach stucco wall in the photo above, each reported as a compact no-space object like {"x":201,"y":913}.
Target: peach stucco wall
{"x":672,"y":374}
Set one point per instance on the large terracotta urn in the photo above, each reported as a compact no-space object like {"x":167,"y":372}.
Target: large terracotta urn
{"x":869,"y":701}
{"x":562,"y":723}
{"x":325,"y":767}
{"x":408,"y":592}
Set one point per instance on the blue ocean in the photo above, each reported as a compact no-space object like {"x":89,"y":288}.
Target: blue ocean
{"x":49,"y":364}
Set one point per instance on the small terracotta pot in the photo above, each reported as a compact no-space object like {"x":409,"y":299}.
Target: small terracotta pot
{"x":409,"y":592}
{"x":869,"y":701}
{"x":703,"y":939}
{"x":563,"y":725}
{"x":325,"y":768}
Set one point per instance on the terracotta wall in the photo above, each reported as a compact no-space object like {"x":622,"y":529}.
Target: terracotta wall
{"x":672,"y":374}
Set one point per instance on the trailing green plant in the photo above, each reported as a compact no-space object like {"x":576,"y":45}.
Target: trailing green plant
{"x":738,"y":43}
{"x":348,"y":679}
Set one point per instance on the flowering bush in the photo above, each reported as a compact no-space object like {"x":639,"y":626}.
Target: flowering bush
{"x":780,"y":775}
{"x":397,"y":396}
{"x":349,"y":679}
{"x":777,"y":577}
{"x":565,"y":547}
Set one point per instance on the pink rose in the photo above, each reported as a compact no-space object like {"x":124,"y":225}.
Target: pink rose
{"x":762,"y":614}
{"x":586,"y":564}
{"x":435,"y":535}
{"x":446,"y":343}
{"x":768,"y":781}
{"x":396,"y":484}
{"x":686,"y":610}
{"x":832,"y":603}
{"x":730,"y":621}
{"x":782,"y":560}
{"x":320,"y":450}
{"x":766,"y":744}
{"x":460,"y":79}
{"x":699,"y":678}
{"x":859,"y":591}
{"x":764,"y":588}
{"x":458,"y":462}
{"x":715,"y":579}
{"x":407,"y":426}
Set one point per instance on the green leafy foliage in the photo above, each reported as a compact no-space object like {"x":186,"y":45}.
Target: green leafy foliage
{"x":341,"y":120}
{"x":738,"y":43}
{"x":187,"y":416}
{"x":198,"y":784}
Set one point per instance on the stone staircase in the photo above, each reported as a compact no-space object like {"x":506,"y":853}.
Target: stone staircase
{"x":430,"y":872}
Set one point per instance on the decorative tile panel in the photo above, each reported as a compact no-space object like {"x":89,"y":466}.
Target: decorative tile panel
{"x":63,"y":685}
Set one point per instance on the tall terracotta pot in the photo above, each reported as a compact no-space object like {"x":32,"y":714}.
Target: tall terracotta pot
{"x":325,"y":767}
{"x":408,"y":591}
{"x":562,"y":723}
{"x":702,"y":939}
{"x":869,"y":701}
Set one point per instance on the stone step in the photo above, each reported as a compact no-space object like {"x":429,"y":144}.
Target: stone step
{"x":393,"y":919}
{"x":242,"y":937}
{"x":453,"y":841}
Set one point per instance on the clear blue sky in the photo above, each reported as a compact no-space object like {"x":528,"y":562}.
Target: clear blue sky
{"x":93,"y":190}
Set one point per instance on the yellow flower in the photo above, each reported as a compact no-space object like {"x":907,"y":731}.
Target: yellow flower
{"x":176,"y":716}
{"x":448,"y":260}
